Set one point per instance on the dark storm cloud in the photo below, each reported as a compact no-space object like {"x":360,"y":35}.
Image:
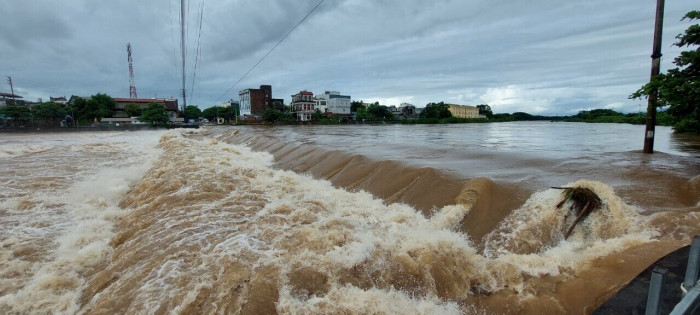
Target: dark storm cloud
{"x":23,"y":24}
{"x":542,"y":56}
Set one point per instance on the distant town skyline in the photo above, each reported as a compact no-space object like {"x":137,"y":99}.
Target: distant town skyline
{"x":540,"y":57}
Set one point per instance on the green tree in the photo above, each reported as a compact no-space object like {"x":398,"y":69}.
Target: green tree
{"x":104,"y":105}
{"x":132,"y":110}
{"x":522,"y":116}
{"x":355,"y":105}
{"x":271,"y":115}
{"x":362,"y":113}
{"x":380,"y":112}
{"x":227,"y":113}
{"x":192,"y":112}
{"x":679,"y":88}
{"x":317,"y":115}
{"x":48,"y":111}
{"x":79,"y":110}
{"x":154,"y":114}
{"x":210,"y":113}
{"x":485,"y":110}
{"x":17,"y":113}
{"x":436,"y":110}
{"x":99,"y":106}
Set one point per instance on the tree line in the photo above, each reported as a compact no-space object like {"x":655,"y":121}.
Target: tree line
{"x":82,"y":112}
{"x":678,"y":90}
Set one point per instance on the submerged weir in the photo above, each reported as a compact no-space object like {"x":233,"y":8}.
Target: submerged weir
{"x":255,"y":224}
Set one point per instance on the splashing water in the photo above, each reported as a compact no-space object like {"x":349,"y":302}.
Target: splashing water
{"x":56,"y":212}
{"x":226,"y":232}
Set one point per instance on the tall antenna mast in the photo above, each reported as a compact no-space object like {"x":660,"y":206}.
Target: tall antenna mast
{"x":182,"y":49}
{"x":132,"y":85}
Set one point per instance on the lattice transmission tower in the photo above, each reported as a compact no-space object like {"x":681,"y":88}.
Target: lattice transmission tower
{"x":132,"y":85}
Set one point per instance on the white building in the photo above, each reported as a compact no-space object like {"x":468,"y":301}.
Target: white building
{"x":244,"y":102}
{"x":321,"y":104}
{"x":334,"y":102}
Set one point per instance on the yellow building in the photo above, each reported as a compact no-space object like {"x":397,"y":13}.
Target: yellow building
{"x":464,"y":111}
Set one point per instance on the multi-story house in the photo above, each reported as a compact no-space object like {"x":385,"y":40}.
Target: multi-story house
{"x":303,"y":105}
{"x":464,"y":111}
{"x":334,"y":103}
{"x":255,"y":101}
{"x":169,"y":104}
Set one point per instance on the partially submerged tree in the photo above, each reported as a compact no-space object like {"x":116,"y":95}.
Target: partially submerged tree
{"x":679,"y":88}
{"x":583,"y":202}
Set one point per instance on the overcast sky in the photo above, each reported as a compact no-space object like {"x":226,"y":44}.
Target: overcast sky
{"x":539,"y":56}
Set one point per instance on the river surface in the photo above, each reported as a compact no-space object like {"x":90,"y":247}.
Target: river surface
{"x":337,"y":219}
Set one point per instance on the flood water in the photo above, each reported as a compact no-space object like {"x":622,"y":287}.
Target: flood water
{"x":337,"y":219}
{"x":534,"y":155}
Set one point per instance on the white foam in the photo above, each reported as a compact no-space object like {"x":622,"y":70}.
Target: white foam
{"x":259,"y":218}
{"x":349,"y":299}
{"x":307,"y":222}
{"x":87,"y":175}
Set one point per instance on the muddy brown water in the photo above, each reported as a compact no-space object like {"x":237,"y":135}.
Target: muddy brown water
{"x":327,"y":219}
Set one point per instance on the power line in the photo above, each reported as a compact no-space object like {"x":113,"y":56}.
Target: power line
{"x":172,"y":37}
{"x":198,"y":50}
{"x":273,"y":48}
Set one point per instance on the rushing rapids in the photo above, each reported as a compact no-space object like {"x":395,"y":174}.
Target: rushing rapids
{"x":229,"y":222}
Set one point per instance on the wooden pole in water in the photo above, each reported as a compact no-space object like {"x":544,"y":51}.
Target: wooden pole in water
{"x":655,"y":68}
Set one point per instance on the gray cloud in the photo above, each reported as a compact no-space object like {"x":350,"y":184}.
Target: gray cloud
{"x":29,"y":23}
{"x":544,"y":56}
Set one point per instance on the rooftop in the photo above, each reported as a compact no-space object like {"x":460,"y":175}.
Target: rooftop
{"x":139,"y":100}
{"x":9,"y":95}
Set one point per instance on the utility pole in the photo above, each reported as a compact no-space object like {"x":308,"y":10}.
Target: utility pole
{"x":182,"y":49}
{"x":655,"y":68}
{"x":12,"y":90}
